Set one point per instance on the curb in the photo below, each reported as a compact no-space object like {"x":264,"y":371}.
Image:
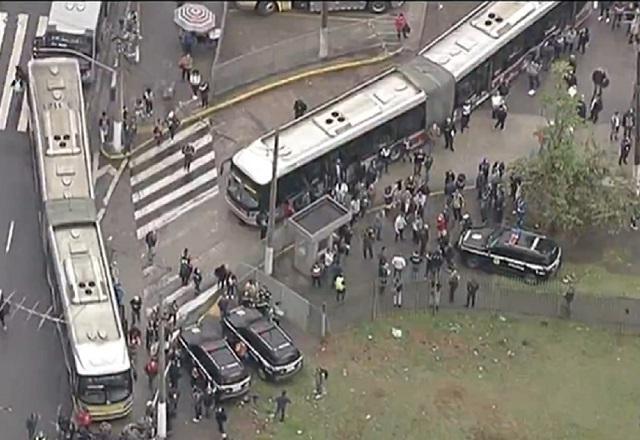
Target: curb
{"x":257,"y":91}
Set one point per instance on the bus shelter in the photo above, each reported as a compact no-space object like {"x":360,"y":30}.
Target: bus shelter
{"x":314,"y":229}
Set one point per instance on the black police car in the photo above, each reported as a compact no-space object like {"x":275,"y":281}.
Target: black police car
{"x":268,"y":345}
{"x":510,"y":251}
{"x":207,"y":349}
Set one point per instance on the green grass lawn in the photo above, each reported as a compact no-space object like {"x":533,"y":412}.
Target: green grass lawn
{"x":474,"y":377}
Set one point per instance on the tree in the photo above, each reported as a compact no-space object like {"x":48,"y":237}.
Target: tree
{"x":571,"y":185}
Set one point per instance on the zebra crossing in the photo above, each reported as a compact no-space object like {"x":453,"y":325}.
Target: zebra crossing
{"x":161,"y":190}
{"x":16,"y":38}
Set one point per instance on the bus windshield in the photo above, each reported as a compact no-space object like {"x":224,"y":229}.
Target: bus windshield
{"x":80,"y":43}
{"x":97,"y":390}
{"x":242,"y":190}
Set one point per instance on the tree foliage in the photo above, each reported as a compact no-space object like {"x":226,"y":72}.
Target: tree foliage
{"x":571,"y":185}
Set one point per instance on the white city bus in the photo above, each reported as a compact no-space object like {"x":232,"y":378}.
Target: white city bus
{"x":78,"y":274}
{"x":75,"y":26}
{"x":396,"y":107}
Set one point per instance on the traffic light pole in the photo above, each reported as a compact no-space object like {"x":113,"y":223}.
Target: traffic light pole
{"x":268,"y":251}
{"x":324,"y":32}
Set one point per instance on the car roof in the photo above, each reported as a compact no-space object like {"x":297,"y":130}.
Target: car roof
{"x":519,"y":239}
{"x":207,"y":331}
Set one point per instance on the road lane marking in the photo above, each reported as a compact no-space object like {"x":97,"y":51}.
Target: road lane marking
{"x":3,"y":26}
{"x":110,"y":190}
{"x":173,"y":195}
{"x":170,"y":216}
{"x":24,"y":114}
{"x":168,"y":161}
{"x":41,"y":29}
{"x":107,"y":169}
{"x":14,"y":60}
{"x":7,"y":248}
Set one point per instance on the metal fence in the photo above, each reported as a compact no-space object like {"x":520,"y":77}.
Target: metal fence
{"x":298,"y":310}
{"x":366,"y":35}
{"x":509,"y":295}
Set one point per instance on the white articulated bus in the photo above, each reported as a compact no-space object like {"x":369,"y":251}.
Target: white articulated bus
{"x":77,"y":267}
{"x":396,"y":107}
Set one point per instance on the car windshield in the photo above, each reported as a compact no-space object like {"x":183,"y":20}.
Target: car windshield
{"x":99,"y":390}
{"x":242,"y":190}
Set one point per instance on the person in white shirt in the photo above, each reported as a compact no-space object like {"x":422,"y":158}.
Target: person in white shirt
{"x":399,"y":263}
{"x":355,"y":209}
{"x":496,"y":101}
{"x":399,"y":224}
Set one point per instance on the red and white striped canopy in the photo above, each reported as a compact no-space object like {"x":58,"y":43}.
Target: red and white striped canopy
{"x":193,"y":17}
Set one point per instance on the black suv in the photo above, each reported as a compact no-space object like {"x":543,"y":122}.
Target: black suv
{"x":209,"y":351}
{"x":269,"y":345}
{"x":511,"y":251}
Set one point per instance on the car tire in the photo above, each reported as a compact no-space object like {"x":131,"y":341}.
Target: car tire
{"x":472,"y":262}
{"x":396,"y":153}
{"x":531,"y":279}
{"x":378,"y":7}
{"x":266,"y":8}
{"x":262,"y":374}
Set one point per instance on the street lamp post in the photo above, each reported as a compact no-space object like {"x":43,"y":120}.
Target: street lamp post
{"x":636,"y":104}
{"x":268,"y":251}
{"x":324,"y":36}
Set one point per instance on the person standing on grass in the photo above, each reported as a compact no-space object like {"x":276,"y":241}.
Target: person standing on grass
{"x":341,"y":288}
{"x":282,"y":401}
{"x":472,"y":291}
{"x":397,"y":292}
{"x":221,"y":419}
{"x":454,"y":282}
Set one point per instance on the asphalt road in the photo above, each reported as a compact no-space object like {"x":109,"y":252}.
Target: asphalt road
{"x":32,"y":372}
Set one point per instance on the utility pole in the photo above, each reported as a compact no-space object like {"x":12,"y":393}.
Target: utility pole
{"x":268,"y":251}
{"x":324,"y":31}
{"x":162,"y":384}
{"x":636,"y":104}
{"x":117,"y":120}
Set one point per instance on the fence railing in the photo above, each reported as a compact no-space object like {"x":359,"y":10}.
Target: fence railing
{"x":298,"y":310}
{"x":366,"y":35}
{"x":508,"y":295}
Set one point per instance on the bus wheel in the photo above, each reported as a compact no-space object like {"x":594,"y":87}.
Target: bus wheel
{"x":397,"y":153}
{"x":378,"y":7}
{"x":266,"y":8}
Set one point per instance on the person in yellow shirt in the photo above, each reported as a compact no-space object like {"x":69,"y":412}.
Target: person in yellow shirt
{"x":341,"y":288}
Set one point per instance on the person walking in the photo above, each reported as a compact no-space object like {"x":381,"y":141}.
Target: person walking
{"x":172,"y":123}
{"x":198,"y":400}
{"x":282,"y":401}
{"x":221,"y":419}
{"x":194,"y":81}
{"x":628,"y":122}
{"x":151,"y":370}
{"x":197,"y":280}
{"x":454,"y":282}
{"x":136,"y":307}
{"x":465,"y":115}
{"x":472,"y":291}
{"x":449,"y":132}
{"x":583,"y":39}
{"x":4,"y":310}
{"x":341,"y":288}
{"x":208,"y":400}
{"x":625,"y":149}
{"x":188,"y":152}
{"x":501,"y":116}
{"x":615,"y":123}
{"x":103,"y":126}
{"x":533,"y":72}
{"x":203,"y":90}
{"x":320,"y":376}
{"x":147,"y":97}
{"x":368,"y":237}
{"x":399,"y":225}
{"x":595,"y":108}
{"x":151,"y":239}
{"x":32,"y":424}
{"x":316,"y":275}
{"x":397,"y":292}
{"x":416,"y":262}
{"x":185,"y":64}
{"x":402,"y":26}
{"x":299,"y":108}
{"x":399,"y":263}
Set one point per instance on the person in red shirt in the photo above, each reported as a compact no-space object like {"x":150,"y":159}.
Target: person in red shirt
{"x":402,"y":26}
{"x":441,"y":224}
{"x":151,"y":368}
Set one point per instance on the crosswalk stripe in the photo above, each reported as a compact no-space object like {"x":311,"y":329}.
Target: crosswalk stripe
{"x":194,"y":184}
{"x":14,"y":60}
{"x":3,"y":26}
{"x":24,"y":114}
{"x":170,"y":216}
{"x":41,"y":29}
{"x":168,"y":143}
{"x":177,"y":175}
{"x":168,"y":161}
